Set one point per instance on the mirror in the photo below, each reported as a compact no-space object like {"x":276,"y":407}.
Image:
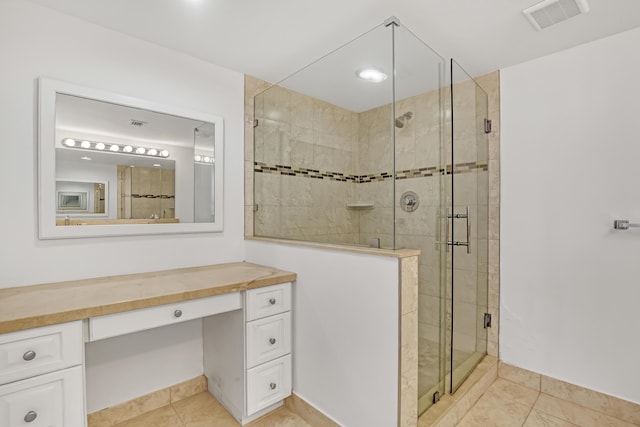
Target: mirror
{"x":117,"y":165}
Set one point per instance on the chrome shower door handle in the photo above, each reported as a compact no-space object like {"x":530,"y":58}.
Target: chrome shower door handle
{"x":468,"y":230}
{"x":446,"y":237}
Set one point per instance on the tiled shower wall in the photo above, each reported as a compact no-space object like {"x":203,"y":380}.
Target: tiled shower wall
{"x":314,"y":138}
{"x":312,"y":145}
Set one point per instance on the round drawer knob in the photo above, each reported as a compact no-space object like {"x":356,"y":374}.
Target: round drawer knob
{"x":272,"y":386}
{"x":272,"y":341}
{"x":31,"y":416}
{"x":272,"y":301}
{"x":177,"y":313}
{"x":29,"y":355}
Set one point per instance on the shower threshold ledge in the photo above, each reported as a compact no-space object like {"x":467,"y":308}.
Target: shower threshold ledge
{"x":394,"y":253}
{"x":452,"y":407}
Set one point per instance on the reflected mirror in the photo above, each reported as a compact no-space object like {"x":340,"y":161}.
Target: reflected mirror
{"x":118,"y":165}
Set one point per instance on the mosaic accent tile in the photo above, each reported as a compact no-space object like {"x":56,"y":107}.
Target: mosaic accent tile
{"x":152,"y":196}
{"x":261,"y":167}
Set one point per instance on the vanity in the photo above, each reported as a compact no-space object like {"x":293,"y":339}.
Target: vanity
{"x":246,"y":312}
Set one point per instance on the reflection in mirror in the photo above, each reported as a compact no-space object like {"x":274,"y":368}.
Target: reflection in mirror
{"x":204,"y":172}
{"x":81,"y":198}
{"x":121,"y":165}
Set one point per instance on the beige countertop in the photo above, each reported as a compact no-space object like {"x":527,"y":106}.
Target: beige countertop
{"x":40,"y":305}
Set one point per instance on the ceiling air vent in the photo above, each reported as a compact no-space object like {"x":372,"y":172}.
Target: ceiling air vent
{"x":138,"y":123}
{"x":550,"y":12}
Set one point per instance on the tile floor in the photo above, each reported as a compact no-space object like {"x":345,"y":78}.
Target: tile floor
{"x":507,"y":404}
{"x":504,"y":404}
{"x":203,"y":410}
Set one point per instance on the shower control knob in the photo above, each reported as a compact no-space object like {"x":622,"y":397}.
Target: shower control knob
{"x":30,"y":416}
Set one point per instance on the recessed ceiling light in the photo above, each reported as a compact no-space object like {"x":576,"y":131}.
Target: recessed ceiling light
{"x":371,"y":74}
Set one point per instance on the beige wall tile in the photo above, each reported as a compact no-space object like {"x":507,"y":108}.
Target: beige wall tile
{"x":409,"y":284}
{"x":307,"y":412}
{"x":131,"y":409}
{"x":519,"y":375}
{"x":188,"y":388}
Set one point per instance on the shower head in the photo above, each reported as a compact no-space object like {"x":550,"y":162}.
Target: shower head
{"x":403,"y":119}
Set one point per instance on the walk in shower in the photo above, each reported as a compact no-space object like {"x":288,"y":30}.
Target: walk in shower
{"x":383,"y":143}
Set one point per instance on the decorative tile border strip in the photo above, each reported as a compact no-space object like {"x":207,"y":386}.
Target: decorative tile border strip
{"x":152,"y":196}
{"x":361,"y":179}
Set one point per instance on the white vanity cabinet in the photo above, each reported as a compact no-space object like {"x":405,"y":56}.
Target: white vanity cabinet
{"x":41,"y":377}
{"x":246,"y":313}
{"x":254,"y":375}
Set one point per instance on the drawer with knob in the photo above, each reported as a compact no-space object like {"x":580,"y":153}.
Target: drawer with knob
{"x":268,"y":383}
{"x":112,"y":325}
{"x":268,"y":339}
{"x":51,"y":400}
{"x":32,"y":352}
{"x":267,"y":301}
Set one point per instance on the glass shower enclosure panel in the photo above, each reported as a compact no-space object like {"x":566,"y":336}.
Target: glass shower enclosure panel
{"x":420,"y":195}
{"x":468,"y":219}
{"x":323,"y":157}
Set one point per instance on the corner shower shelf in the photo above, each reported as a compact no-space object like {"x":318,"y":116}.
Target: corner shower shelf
{"x":360,"y":205}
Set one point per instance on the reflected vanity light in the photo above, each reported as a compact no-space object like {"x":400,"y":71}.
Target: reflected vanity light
{"x":371,"y":74}
{"x":114,"y":148}
{"x":200,"y":158}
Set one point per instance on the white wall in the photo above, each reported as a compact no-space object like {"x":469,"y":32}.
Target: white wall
{"x":35,"y":41}
{"x":345,"y":337}
{"x":570,"y":284}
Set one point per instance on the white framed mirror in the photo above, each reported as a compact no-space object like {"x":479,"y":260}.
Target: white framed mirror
{"x":113,"y":165}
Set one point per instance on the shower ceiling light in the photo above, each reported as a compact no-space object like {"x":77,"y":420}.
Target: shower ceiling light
{"x":371,"y":74}
{"x":114,"y":148}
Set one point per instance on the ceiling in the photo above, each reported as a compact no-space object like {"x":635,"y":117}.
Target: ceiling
{"x":272,"y":39}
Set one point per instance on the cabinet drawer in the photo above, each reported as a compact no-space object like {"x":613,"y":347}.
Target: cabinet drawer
{"x":50,"y":400}
{"x":268,"y":339}
{"x":146,"y":318}
{"x":267,"y":301}
{"x":268,"y":384}
{"x":31,"y":352}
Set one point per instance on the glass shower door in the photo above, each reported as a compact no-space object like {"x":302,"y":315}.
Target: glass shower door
{"x":468,"y":219}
